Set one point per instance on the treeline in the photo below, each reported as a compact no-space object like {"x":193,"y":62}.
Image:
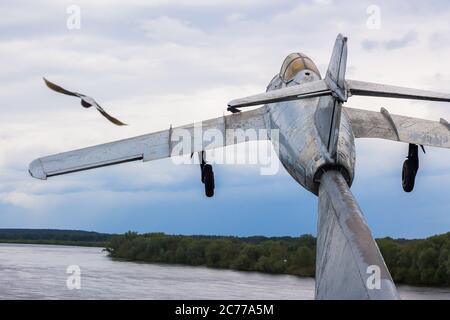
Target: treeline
{"x":417,"y":262}
{"x":273,"y":255}
{"x":52,"y":236}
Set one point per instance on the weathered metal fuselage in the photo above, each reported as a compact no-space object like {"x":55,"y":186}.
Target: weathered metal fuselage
{"x":303,"y":132}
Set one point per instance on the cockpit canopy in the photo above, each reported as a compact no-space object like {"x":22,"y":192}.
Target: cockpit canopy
{"x":293,"y":64}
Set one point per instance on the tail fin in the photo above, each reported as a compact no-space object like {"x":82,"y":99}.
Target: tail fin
{"x":330,"y":112}
{"x":335,"y":76}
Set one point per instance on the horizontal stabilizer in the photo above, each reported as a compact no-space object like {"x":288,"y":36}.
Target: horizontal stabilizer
{"x":302,"y":91}
{"x":321,"y":88}
{"x":361,"y":88}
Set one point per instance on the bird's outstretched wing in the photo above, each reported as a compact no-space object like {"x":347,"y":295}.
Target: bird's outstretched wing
{"x":59,"y":89}
{"x":86,"y":101}
{"x":109,"y":117}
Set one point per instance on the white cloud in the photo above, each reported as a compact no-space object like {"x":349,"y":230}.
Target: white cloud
{"x":166,"y":29}
{"x":20,"y":199}
{"x":235,"y":17}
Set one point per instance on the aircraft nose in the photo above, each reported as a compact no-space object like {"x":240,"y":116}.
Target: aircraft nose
{"x":36,"y":170}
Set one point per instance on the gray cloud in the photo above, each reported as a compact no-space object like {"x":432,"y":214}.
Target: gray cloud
{"x":406,"y":40}
{"x":369,"y":44}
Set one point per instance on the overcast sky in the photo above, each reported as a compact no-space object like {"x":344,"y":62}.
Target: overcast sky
{"x":155,"y":63}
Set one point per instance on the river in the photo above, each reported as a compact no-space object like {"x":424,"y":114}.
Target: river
{"x":40,"y":272}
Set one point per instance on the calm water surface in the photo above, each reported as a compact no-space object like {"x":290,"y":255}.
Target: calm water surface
{"x":39,"y":272}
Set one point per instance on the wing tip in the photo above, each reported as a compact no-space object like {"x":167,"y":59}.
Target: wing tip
{"x":232,"y":103}
{"x":36,"y":170}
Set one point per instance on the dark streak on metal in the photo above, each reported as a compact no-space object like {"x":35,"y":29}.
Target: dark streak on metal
{"x":445,"y":123}
{"x":347,"y":210}
{"x":170,"y":140}
{"x":388,"y":117}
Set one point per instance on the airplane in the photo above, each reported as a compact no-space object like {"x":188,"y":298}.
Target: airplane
{"x":315,"y":145}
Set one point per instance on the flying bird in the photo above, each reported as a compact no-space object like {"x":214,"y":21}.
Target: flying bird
{"x":86,"y":101}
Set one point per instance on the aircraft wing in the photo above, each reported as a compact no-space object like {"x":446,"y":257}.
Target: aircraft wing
{"x":157,"y":145}
{"x":382,"y":125}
